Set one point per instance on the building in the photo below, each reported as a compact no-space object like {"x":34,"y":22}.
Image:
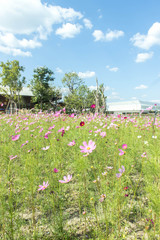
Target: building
{"x":135,"y":106}
{"x":25,"y":97}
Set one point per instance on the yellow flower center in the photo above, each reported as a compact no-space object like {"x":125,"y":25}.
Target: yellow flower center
{"x":88,"y":148}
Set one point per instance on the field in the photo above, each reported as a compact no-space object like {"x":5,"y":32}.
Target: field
{"x":79,"y":177}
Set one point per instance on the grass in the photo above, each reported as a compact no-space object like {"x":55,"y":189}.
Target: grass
{"x":95,"y":204}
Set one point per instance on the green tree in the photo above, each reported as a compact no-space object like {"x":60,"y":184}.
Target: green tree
{"x":40,"y":86}
{"x":11,"y":81}
{"x":72,"y":81}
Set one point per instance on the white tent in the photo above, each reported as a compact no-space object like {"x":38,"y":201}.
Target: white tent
{"x":132,"y":106}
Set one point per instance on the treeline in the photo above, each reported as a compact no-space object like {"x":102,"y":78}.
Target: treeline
{"x":45,"y":95}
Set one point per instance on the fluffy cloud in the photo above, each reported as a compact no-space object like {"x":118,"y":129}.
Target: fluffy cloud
{"x":109,"y":36}
{"x":141,"y":87}
{"x":68,"y":30}
{"x":87,"y":74}
{"x":87,"y":23}
{"x":142,"y":57}
{"x":113,"y":69}
{"x":20,"y":18}
{"x":15,"y":51}
{"x":150,"y":39}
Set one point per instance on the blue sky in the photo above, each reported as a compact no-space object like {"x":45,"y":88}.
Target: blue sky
{"x":117,"y":41}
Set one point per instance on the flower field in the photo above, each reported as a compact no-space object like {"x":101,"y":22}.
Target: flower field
{"x":79,"y":177}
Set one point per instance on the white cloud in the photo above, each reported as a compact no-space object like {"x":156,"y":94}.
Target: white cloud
{"x":9,"y":40}
{"x":69,"y":30}
{"x":87,"y":23}
{"x":150,"y":39}
{"x":29,"y":17}
{"x":109,"y":36}
{"x":14,"y":51}
{"x":59,"y":70}
{"x":87,"y":74}
{"x":142,"y":57}
{"x":141,"y":87}
{"x":113,"y":69}
{"x":155,"y":101}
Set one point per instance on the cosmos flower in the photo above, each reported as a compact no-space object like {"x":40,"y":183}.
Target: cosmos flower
{"x":15,"y":138}
{"x":45,"y":148}
{"x":66,"y":179}
{"x":12,"y":157}
{"x":121,"y":152}
{"x":124,"y":146}
{"x":93,"y":106}
{"x":88,"y":148}
{"x":103,"y":196}
{"x":82,"y":124}
{"x":44,"y":186}
{"x":24,"y":143}
{"x":121,"y":171}
{"x":71,"y":143}
{"x":103,"y":134}
{"x":55,"y":170}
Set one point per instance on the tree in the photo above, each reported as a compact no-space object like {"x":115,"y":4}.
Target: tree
{"x":40,"y":86}
{"x":72,"y":81}
{"x":11,"y":78}
{"x":82,"y":98}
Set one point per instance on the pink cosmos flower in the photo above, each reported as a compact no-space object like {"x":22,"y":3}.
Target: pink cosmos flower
{"x":121,"y":152}
{"x":121,"y":171}
{"x":71,"y":143}
{"x":66,"y":179}
{"x":93,"y":106}
{"x":40,"y":130}
{"x":50,"y":128}
{"x":61,"y":129}
{"x":72,"y":115}
{"x":15,"y":138}
{"x":55,"y":170}
{"x":144,"y":155}
{"x":124,"y":146}
{"x":12,"y":157}
{"x":88,"y":148}
{"x":1,"y":104}
{"x":103,"y":134}
{"x":46,"y":134}
{"x":103,"y":196}
{"x":24,"y":143}
{"x":45,"y":148}
{"x":44,"y":186}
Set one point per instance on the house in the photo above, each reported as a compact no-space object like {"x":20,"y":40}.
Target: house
{"x":135,"y":106}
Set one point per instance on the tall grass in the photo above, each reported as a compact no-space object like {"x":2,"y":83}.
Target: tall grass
{"x":96,"y":203}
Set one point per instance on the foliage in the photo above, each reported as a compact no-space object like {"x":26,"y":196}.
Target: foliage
{"x":40,"y":85}
{"x":72,"y":81}
{"x":11,"y":78}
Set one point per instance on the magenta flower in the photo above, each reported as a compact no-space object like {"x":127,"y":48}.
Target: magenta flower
{"x":46,"y":134}
{"x":121,"y":152}
{"x":88,"y":148}
{"x":55,"y":170}
{"x":121,"y":171}
{"x":42,"y":187}
{"x":15,"y":138}
{"x":124,"y":146}
{"x":71,"y":143}
{"x":66,"y":179}
{"x":61,"y":129}
{"x":93,"y":106}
